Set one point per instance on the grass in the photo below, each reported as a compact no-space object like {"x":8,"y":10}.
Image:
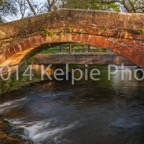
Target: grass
{"x":50,"y":51}
{"x":74,"y":49}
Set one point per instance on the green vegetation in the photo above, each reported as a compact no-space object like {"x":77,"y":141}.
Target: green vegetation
{"x":14,"y":84}
{"x":23,"y":79}
{"x":51,"y":51}
{"x":46,"y":32}
{"x":93,"y":5}
{"x":141,"y":31}
{"x":131,"y":6}
{"x":70,"y":30}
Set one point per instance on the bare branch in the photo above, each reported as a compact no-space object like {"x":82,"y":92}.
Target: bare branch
{"x":31,"y":7}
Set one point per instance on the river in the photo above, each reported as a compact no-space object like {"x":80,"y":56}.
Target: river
{"x":89,"y":112}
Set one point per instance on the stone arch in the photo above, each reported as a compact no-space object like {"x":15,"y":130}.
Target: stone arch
{"x":17,"y":53}
{"x":121,"y":32}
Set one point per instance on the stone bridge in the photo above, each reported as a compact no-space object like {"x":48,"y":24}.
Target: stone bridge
{"x":123,"y":33}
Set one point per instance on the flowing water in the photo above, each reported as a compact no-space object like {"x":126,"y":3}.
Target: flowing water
{"x":90,"y":112}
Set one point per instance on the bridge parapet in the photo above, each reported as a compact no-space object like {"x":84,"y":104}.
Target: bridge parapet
{"x":99,"y":22}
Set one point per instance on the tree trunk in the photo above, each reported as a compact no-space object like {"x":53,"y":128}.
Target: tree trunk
{"x":31,"y":7}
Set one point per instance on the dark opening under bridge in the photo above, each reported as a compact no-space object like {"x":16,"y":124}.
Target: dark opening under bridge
{"x":123,"y":33}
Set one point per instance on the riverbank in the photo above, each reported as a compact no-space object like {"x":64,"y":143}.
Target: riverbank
{"x":12,"y":86}
{"x":6,"y":137}
{"x":21,"y":79}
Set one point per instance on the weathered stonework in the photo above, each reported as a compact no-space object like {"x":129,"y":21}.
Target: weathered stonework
{"x":122,"y":32}
{"x":2,"y":35}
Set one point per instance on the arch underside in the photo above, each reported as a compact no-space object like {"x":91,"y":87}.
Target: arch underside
{"x":17,"y":52}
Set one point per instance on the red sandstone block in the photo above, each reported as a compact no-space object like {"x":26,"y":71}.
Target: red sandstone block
{"x":66,"y":38}
{"x":85,"y":38}
{"x":76,"y":37}
{"x":6,"y":55}
{"x":49,"y":40}
{"x":69,"y":37}
{"x":33,"y":41}
{"x":37,"y":39}
{"x":136,"y":47}
{"x":92,"y":32}
{"x":61,"y":38}
{"x":17,"y":47}
{"x":125,"y":51}
{"x":110,"y":42}
{"x":1,"y":61}
{"x":27,"y":43}
{"x":115,"y":49}
{"x":41,"y":39}
{"x":55,"y":39}
{"x":139,"y":59}
{"x":23,"y":45}
{"x":129,"y":42}
{"x":119,"y":40}
{"x":115,"y":45}
{"x":12,"y":51}
{"x":107,"y":42}
{"x":90,"y":40}
{"x":97,"y":41}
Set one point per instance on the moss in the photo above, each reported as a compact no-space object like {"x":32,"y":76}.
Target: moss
{"x":141,"y":31}
{"x":49,"y":33}
{"x":61,"y":32}
{"x":103,"y":30}
{"x":46,"y":32}
{"x":70,"y":30}
{"x":43,"y":29}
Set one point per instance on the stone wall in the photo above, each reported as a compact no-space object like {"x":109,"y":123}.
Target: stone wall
{"x":82,"y":58}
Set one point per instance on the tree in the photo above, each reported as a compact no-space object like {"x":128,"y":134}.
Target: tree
{"x":134,"y":6}
{"x":50,"y":5}
{"x":131,"y":6}
{"x":91,"y":5}
{"x":21,"y":7}
{"x":7,"y":8}
{"x":31,"y":7}
{"x":25,"y":8}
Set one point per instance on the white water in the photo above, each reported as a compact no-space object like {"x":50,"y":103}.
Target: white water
{"x":40,"y":131}
{"x":7,"y":106}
